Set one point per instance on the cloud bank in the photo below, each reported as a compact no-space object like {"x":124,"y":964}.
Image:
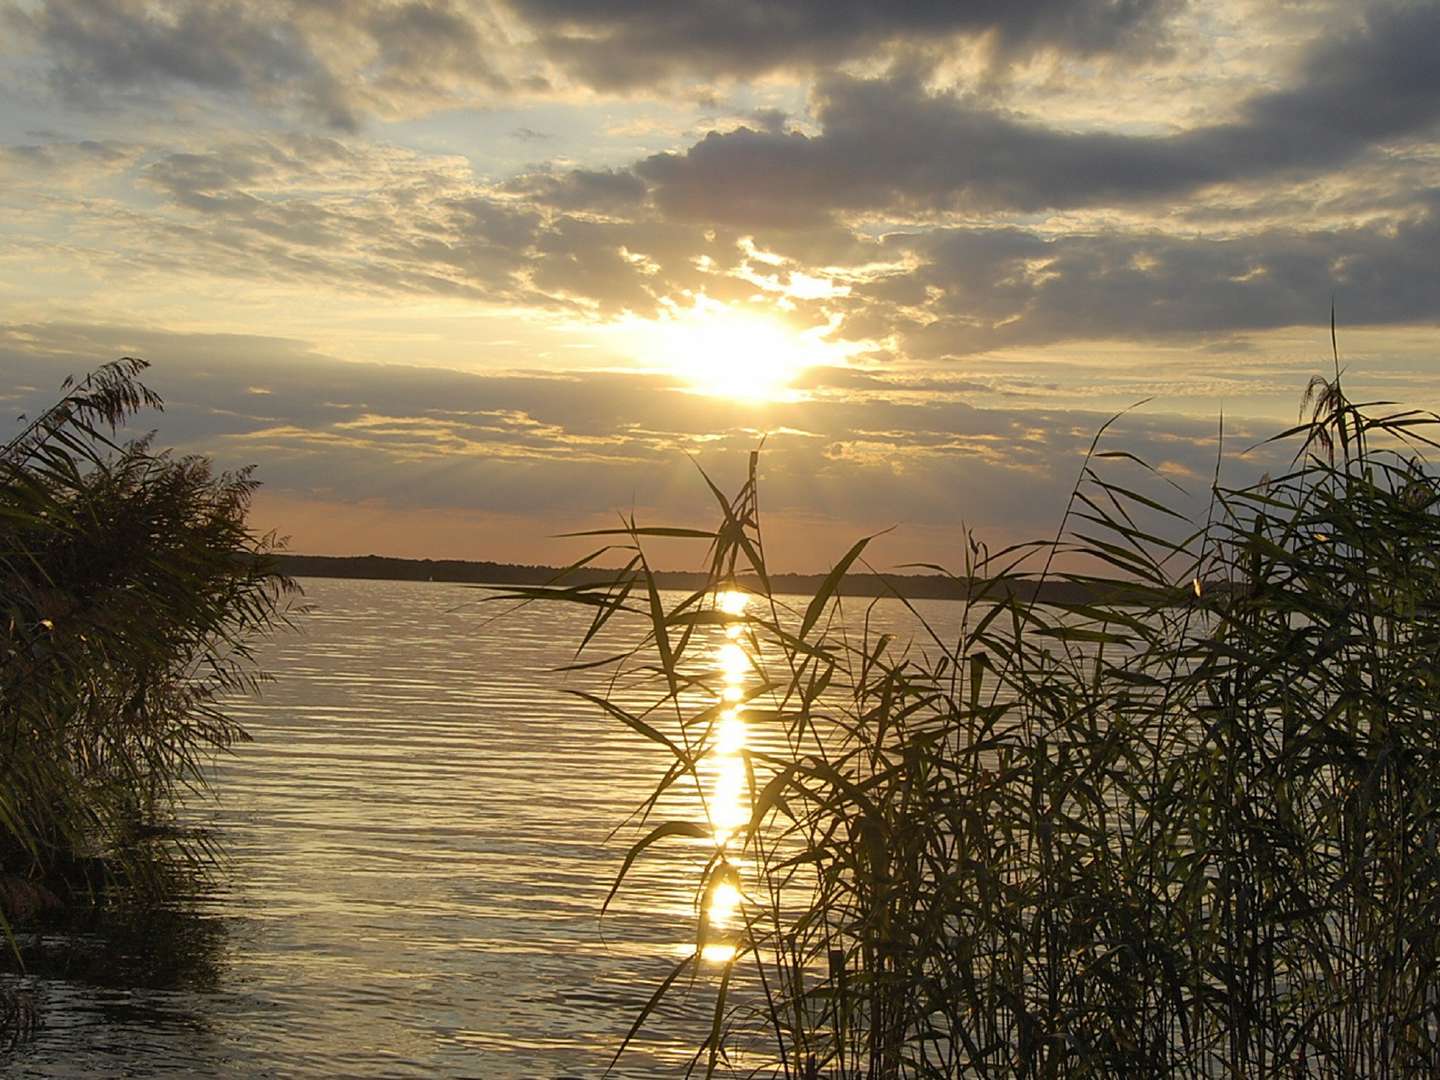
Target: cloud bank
{"x":1002,"y":219}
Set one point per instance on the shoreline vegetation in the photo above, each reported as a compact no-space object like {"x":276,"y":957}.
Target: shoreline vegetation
{"x":131,"y":594}
{"x":1090,"y":840}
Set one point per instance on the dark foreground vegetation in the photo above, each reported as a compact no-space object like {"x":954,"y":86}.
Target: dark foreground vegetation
{"x":130,"y":592}
{"x":1079,"y":839}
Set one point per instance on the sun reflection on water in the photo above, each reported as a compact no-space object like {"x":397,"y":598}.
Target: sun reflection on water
{"x":729,"y":733}
{"x":732,"y":602}
{"x":733,"y":664}
{"x":727,"y":799}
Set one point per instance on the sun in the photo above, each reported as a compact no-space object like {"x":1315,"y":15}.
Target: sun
{"x":735,"y":352}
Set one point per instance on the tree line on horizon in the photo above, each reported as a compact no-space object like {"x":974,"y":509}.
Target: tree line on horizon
{"x":934,"y":586}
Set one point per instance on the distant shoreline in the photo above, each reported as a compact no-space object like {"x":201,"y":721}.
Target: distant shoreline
{"x":466,"y":572}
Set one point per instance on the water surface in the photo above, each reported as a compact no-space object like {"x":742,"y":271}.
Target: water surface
{"x":419,"y":848}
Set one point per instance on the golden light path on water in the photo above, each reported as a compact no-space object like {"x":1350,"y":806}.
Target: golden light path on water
{"x":727,"y":801}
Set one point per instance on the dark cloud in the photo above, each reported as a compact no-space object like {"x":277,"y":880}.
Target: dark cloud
{"x":772,"y":120}
{"x":595,"y":190}
{"x":100,"y":45}
{"x":331,"y":61}
{"x":339,"y":62}
{"x":988,"y":289}
{"x":889,"y":146}
{"x":623,"y":44}
{"x":880,"y":382}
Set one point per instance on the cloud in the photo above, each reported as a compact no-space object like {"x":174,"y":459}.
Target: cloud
{"x":858,"y":380}
{"x":625,"y":44}
{"x":331,"y":63}
{"x":340,"y":63}
{"x":354,"y":215}
{"x":927,"y":222}
{"x":350,"y":216}
{"x":66,"y":160}
{"x":586,"y":190}
{"x":889,"y":146}
{"x":360,"y":217}
{"x":972,"y":240}
{"x":991,"y":289}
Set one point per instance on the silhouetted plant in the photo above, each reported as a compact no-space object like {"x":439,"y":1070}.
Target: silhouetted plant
{"x":1187,"y":829}
{"x":130,"y":593}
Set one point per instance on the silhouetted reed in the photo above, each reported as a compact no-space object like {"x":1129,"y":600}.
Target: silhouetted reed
{"x":130,"y":593}
{"x":1193,"y":833}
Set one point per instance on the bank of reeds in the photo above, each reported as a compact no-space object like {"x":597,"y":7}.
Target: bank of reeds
{"x":130,"y":594}
{"x":1193,"y":834}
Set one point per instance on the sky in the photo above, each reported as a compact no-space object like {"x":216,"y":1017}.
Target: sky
{"x":458,"y":276}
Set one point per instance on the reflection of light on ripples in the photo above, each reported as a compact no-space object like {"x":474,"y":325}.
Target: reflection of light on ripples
{"x":732,"y":601}
{"x":733,"y":663}
{"x":723,"y":904}
{"x":713,"y":953}
{"x":727,"y":800}
{"x":729,"y":733}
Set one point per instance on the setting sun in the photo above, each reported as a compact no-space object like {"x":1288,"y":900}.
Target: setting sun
{"x":732,"y":352}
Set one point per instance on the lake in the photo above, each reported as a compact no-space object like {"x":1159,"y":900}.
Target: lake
{"x":418,"y":845}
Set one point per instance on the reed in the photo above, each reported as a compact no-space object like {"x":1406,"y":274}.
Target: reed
{"x":1188,"y":830}
{"x":131,"y":592}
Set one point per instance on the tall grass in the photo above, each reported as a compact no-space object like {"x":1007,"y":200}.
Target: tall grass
{"x":1187,"y":829}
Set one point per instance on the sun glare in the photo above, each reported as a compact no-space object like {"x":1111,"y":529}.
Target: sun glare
{"x":732,"y":352}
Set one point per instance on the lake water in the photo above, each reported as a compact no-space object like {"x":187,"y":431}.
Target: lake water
{"x":418,"y":845}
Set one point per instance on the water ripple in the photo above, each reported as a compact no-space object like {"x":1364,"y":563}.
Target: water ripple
{"x":418,"y":852}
